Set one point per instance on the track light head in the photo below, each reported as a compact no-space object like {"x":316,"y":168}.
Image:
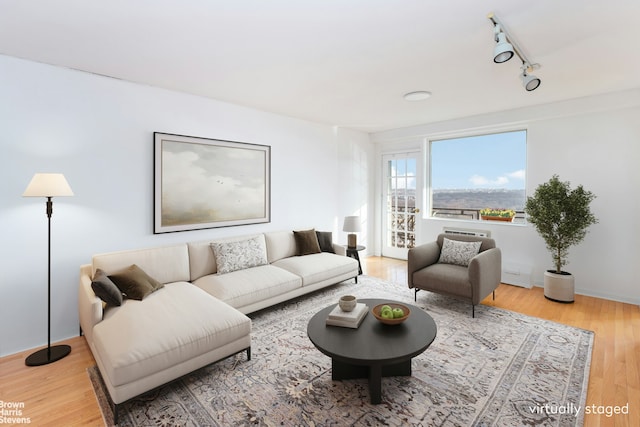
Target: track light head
{"x":529,"y":81}
{"x":503,"y":50}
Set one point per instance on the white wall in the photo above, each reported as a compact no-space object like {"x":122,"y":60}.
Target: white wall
{"x":590,"y":141}
{"x":99,"y":132}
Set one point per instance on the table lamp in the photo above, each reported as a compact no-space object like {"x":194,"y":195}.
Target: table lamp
{"x":352,"y":226}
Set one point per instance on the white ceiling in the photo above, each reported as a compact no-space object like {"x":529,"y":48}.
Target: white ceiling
{"x":345,"y":63}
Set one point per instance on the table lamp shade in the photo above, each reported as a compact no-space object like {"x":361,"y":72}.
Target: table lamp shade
{"x":352,"y":226}
{"x":48,"y":185}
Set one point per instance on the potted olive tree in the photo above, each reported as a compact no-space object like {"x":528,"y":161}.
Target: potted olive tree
{"x":561,"y":216}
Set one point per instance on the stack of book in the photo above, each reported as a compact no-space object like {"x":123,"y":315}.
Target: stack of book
{"x":347,"y":319}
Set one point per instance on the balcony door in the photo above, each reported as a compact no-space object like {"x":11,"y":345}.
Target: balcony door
{"x":401,"y":203}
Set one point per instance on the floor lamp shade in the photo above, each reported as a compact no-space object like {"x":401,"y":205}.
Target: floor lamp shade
{"x":352,"y":226}
{"x":48,"y":185}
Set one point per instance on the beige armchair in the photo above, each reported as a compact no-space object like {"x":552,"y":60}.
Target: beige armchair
{"x":473,"y":282}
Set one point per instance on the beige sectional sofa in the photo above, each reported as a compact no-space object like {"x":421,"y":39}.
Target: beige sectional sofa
{"x":198,"y":314}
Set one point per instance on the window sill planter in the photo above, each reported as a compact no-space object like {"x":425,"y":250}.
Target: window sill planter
{"x":496,"y":218}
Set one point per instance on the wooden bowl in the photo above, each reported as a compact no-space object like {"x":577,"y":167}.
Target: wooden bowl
{"x":396,"y":321}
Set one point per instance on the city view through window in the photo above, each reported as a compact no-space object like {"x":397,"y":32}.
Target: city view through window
{"x":478,"y":172}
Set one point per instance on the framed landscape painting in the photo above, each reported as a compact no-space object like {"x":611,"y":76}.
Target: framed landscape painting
{"x":205,"y":183}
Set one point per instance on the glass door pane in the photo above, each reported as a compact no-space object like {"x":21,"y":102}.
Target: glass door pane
{"x":400,"y":205}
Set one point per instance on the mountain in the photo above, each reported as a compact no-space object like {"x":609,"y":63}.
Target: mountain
{"x":479,"y":199}
{"x":467,"y":199}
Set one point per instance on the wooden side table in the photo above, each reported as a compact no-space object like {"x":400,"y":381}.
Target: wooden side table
{"x":353,"y":253}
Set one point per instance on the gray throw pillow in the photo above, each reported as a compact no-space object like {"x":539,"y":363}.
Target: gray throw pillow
{"x":458,"y":253}
{"x":105,"y":289}
{"x":325,"y":240}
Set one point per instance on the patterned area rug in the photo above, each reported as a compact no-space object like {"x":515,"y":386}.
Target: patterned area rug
{"x":497,"y":369}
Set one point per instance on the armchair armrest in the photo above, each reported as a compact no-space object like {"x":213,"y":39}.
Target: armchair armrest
{"x":485,"y":272}
{"x":420,"y":257}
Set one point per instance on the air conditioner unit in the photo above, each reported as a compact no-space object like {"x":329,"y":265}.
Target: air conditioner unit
{"x":466,"y":232}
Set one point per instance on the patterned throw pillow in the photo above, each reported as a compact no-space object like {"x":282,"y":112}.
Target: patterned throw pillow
{"x":239,"y":254}
{"x":458,"y":253}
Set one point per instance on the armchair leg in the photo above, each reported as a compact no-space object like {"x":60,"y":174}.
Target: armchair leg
{"x":473,"y":311}
{"x":494,"y":295}
{"x":415,"y":294}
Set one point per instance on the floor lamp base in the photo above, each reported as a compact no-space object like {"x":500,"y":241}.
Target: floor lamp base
{"x":48,"y":355}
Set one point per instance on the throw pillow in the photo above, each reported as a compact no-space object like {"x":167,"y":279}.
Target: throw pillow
{"x":325,"y":240}
{"x":105,"y":289}
{"x":458,"y":253}
{"x":306,"y":242}
{"x":239,"y":254}
{"x":135,"y":283}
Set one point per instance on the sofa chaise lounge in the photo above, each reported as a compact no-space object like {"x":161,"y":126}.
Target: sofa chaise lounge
{"x":197,"y":315}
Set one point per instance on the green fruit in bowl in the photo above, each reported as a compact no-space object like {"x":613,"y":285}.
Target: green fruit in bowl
{"x":386,"y":314}
{"x":397,"y":312}
{"x":385,"y":308}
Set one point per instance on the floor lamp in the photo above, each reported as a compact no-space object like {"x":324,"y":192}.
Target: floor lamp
{"x":48,"y":185}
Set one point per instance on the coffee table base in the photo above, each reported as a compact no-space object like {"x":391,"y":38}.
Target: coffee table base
{"x":347,"y":371}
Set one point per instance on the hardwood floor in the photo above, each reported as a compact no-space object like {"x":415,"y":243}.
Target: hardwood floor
{"x":61,"y":394}
{"x":58,"y":394}
{"x":614,"y":378}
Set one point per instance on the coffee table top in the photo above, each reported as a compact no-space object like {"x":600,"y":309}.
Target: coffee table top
{"x":373,"y":342}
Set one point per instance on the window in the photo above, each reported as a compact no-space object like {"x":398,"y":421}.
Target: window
{"x":478,"y":172}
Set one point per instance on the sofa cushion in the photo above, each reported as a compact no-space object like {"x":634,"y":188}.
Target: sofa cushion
{"x":306,"y":242}
{"x":245,"y":287}
{"x":458,"y":253}
{"x":166,"y":264}
{"x":325,"y":240}
{"x":280,"y":244}
{"x":239,"y":254}
{"x":202,"y":261}
{"x":143,"y":337}
{"x":134,"y":282}
{"x":105,"y":289}
{"x":316,"y":268}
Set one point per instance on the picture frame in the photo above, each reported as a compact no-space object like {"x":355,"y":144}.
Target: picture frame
{"x":204,"y":183}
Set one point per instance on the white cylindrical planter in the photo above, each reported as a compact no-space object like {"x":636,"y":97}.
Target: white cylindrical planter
{"x":559,"y":287}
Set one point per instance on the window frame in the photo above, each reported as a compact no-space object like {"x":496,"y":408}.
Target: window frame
{"x":427,"y":200}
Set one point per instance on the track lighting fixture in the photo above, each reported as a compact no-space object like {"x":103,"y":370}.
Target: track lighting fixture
{"x":506,"y":48}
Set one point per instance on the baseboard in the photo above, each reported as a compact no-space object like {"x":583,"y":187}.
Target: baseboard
{"x":602,"y":295}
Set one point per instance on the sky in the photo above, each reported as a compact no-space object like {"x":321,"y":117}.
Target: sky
{"x":487,"y":161}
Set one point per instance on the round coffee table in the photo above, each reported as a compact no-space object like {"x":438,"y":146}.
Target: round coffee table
{"x":373,"y":350}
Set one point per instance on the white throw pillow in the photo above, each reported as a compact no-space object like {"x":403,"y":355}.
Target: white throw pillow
{"x":458,"y":253}
{"x":239,"y":254}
